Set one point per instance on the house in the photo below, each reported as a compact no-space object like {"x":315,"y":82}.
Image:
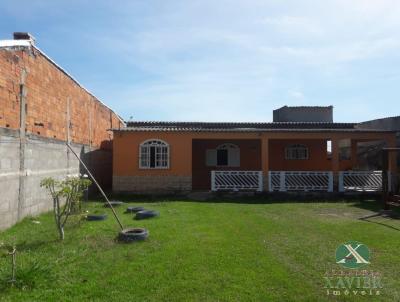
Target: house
{"x":289,"y":155}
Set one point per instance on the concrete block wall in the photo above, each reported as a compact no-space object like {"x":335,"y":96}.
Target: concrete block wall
{"x":9,"y":179}
{"x":303,"y":114}
{"x":20,"y":176}
{"x":43,"y":158}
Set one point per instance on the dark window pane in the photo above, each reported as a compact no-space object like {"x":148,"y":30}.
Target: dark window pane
{"x":152,"y":157}
{"x":222,"y":157}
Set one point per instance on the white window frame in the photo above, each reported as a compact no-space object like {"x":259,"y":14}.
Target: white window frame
{"x":162,"y":154}
{"x":229,"y":147}
{"x":297,"y":152}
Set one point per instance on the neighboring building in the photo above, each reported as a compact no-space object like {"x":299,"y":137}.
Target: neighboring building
{"x":304,"y":114}
{"x":161,"y":157}
{"x":41,"y":108}
{"x":387,"y":123}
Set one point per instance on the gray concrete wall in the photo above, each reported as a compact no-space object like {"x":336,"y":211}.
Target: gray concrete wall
{"x":21,"y":173}
{"x":303,"y":114}
{"x":9,"y":178}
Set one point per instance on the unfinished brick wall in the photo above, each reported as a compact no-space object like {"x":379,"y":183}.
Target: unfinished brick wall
{"x":9,"y":90}
{"x":52,"y":97}
{"x":57,"y":109}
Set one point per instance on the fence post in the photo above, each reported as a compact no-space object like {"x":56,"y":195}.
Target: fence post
{"x":269,"y":175}
{"x":213,"y":181}
{"x":389,"y":178}
{"x":260,"y":181}
{"x":330,"y":181}
{"x":282,"y":181}
{"x":341,"y":181}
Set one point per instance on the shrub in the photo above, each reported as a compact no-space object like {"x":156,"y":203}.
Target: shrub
{"x":67,"y":195}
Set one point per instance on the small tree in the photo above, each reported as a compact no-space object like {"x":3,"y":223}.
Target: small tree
{"x":67,"y":195}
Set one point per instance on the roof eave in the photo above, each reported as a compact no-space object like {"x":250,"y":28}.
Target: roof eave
{"x":250,"y":130}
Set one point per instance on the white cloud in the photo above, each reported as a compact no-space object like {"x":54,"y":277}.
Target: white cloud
{"x":293,"y":24}
{"x":295,"y":94}
{"x":237,"y":59}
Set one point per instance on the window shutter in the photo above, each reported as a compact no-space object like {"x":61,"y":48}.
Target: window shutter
{"x":234,"y":157}
{"x":211,"y":157}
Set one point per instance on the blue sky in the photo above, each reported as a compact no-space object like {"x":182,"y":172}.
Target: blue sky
{"x":222,"y":60}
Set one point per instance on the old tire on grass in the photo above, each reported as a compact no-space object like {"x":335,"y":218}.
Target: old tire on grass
{"x":113,"y":203}
{"x":96,"y":217}
{"x":146,"y":214}
{"x":133,"y":234}
{"x":134,"y":209}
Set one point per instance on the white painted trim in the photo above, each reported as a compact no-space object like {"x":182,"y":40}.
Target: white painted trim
{"x":213,"y":181}
{"x":330,"y":182}
{"x":260,"y":181}
{"x":341,"y":186}
{"x":282,"y":181}
{"x":163,"y":144}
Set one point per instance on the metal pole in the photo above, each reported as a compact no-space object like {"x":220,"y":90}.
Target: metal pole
{"x":385,"y":187}
{"x":13,"y":264}
{"x":98,"y":186}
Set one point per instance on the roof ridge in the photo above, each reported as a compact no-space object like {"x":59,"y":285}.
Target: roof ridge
{"x":241,"y":122}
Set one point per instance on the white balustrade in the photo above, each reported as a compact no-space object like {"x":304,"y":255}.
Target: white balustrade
{"x":301,"y":181}
{"x":306,"y":181}
{"x":236,"y":180}
{"x":360,"y":181}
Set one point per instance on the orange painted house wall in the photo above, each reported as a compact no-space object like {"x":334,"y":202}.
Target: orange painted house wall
{"x":126,"y":144}
{"x":126,"y":153}
{"x":250,"y":159}
{"x":126,"y":150}
{"x":318,"y":159}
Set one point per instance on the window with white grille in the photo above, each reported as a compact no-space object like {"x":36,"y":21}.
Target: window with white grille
{"x":154,"y":154}
{"x":296,"y":152}
{"x":225,"y":155}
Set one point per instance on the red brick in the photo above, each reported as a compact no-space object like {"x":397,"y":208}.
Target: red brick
{"x":48,"y":90}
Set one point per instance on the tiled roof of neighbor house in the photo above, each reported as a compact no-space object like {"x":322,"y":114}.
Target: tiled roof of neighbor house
{"x":239,"y":127}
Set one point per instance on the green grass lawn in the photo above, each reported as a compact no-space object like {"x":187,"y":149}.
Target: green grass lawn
{"x":200,"y":251}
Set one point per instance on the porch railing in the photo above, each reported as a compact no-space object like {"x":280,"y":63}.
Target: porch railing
{"x":366,"y":181}
{"x":236,"y":180}
{"x":306,"y":181}
{"x":301,"y":181}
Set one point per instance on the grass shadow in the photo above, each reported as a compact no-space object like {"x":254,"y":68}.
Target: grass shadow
{"x":29,"y":246}
{"x":375,"y":206}
{"x":243,"y":198}
{"x":382,"y":224}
